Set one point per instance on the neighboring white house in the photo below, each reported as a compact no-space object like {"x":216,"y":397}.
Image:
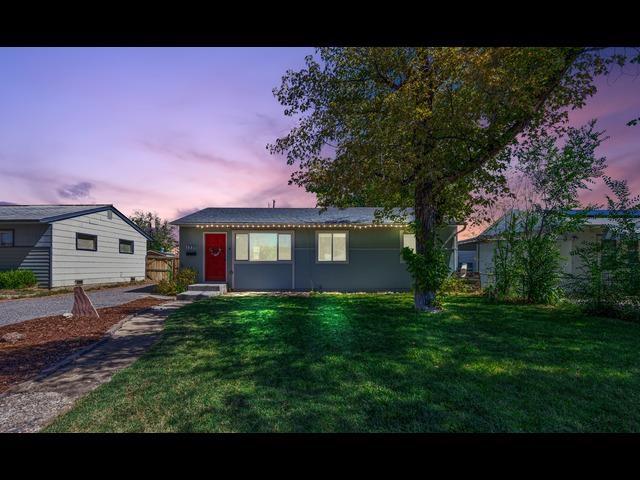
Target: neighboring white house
{"x":72,"y":244}
{"x":593,"y":230}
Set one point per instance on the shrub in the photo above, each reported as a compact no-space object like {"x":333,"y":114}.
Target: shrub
{"x":454,"y":284}
{"x":17,"y":279}
{"x":184,"y":278}
{"x":166,"y":287}
{"x":179,"y":284}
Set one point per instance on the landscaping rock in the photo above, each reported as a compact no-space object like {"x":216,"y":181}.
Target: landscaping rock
{"x":67,"y":315}
{"x":82,"y":305}
{"x":12,"y":337}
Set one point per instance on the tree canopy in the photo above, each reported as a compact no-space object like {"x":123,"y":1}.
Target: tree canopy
{"x":158,"y":229}
{"x":423,"y":128}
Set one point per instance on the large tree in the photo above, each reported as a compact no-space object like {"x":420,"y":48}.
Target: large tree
{"x":422,"y":128}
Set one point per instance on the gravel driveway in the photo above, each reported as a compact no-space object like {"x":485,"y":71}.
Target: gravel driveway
{"x":14,"y":311}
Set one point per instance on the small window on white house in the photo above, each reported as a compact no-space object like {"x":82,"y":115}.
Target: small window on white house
{"x":332,"y":247}
{"x":409,"y":240}
{"x":84,"y":241}
{"x":263,"y":247}
{"x":6,"y":238}
{"x":126,"y":246}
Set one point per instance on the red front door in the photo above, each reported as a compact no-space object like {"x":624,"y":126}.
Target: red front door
{"x":215,"y":257}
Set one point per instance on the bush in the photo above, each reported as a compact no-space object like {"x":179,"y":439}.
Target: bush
{"x":166,"y":287}
{"x":17,"y":279}
{"x":454,"y":284}
{"x":184,"y":278}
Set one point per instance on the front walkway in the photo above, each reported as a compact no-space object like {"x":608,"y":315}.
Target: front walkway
{"x":32,"y":405}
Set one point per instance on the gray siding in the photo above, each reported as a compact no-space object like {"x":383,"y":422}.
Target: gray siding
{"x":106,"y":265}
{"x":374,"y":262}
{"x":266,"y":276}
{"x":38,"y":260}
{"x":195,"y":236}
{"x":31,"y":252}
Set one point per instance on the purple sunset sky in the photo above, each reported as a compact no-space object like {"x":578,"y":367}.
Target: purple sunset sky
{"x":173,"y":130}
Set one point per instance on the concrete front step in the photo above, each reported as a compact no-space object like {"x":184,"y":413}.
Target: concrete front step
{"x":208,"y":287}
{"x":197,"y":295}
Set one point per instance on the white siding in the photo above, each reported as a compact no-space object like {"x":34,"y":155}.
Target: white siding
{"x":570,"y":264}
{"x":106,"y":265}
{"x":485,"y":263}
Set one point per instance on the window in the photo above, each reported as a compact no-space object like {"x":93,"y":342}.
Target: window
{"x":409,"y":240}
{"x":332,"y":247}
{"x":126,"y":246}
{"x":6,"y":238}
{"x":242,"y":246}
{"x":284,"y":246}
{"x":263,"y":247}
{"x":85,"y":241}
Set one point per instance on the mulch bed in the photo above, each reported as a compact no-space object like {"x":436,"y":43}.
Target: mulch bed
{"x":50,"y":339}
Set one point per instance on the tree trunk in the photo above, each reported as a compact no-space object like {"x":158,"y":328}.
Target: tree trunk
{"x":425,"y":217}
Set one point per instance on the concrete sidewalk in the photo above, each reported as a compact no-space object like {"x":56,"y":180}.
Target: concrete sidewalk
{"x":30,"y":406}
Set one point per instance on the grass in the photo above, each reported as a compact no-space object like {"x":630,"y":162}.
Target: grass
{"x":365,"y":363}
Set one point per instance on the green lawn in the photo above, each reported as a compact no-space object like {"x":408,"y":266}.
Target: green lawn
{"x":330,"y":363}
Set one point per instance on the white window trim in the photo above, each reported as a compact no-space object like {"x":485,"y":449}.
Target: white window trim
{"x":332,"y":262}
{"x":261,"y":262}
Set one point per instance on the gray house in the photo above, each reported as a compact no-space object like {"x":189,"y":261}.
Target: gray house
{"x":72,"y":244}
{"x":299,"y":249}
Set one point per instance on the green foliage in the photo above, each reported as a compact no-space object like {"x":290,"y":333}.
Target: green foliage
{"x":161,"y":233}
{"x":454,"y":285}
{"x":179,"y":284}
{"x":428,"y":270}
{"x":422,"y":128}
{"x":17,"y":279}
{"x":166,"y":287}
{"x":608,"y":278}
{"x":184,"y":278}
{"x":527,"y":253}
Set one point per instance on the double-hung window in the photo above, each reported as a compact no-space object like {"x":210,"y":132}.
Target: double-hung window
{"x":332,"y":247}
{"x":263,"y":247}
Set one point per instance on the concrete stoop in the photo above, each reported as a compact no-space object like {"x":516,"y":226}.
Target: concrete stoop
{"x":200,"y":291}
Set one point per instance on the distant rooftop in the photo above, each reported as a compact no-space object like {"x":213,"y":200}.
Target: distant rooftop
{"x":602,"y":213}
{"x":287,"y":216}
{"x":46,"y":213}
{"x":54,"y":213}
{"x":595,"y":217}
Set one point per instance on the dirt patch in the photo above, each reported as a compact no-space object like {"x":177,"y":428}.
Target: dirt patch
{"x":48,"y":340}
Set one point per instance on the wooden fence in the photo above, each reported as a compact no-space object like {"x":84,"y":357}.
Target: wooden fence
{"x":161,"y":267}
